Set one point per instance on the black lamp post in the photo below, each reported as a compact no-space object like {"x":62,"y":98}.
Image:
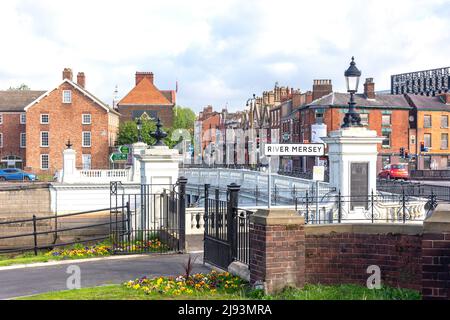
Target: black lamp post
{"x":139,"y":127}
{"x":159,"y":134}
{"x":352,"y":75}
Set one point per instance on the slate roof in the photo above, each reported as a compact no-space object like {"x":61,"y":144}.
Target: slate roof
{"x":145,"y":93}
{"x":428,"y":103}
{"x":338,"y":99}
{"x":16,"y":101}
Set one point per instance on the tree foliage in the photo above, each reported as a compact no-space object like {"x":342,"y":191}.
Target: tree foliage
{"x":184,"y":118}
{"x":22,"y":87}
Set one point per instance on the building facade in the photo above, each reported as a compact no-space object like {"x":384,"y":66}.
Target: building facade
{"x":69,"y":112}
{"x":13,"y":126}
{"x":386,"y":114}
{"x":146,"y":101}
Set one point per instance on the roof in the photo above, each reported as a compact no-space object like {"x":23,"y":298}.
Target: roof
{"x":79,"y":88}
{"x":338,"y":99}
{"x":428,"y":103}
{"x":15,"y":101}
{"x":145,"y":93}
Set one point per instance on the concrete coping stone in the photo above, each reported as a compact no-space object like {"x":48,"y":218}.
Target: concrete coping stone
{"x":365,"y":228}
{"x":276,"y":216}
{"x":439,"y":221}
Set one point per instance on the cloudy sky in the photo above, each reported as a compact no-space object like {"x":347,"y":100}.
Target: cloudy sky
{"x":220,"y":52}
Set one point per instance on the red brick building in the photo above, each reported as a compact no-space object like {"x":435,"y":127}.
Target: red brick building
{"x":385,"y":113}
{"x":66,"y":112}
{"x":147,"y":101}
{"x":13,"y":126}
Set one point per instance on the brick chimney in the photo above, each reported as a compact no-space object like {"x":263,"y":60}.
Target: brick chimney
{"x":309,"y":97}
{"x":81,"y":79}
{"x":321,"y":88}
{"x":369,"y":88}
{"x":142,"y":75}
{"x":67,"y":74}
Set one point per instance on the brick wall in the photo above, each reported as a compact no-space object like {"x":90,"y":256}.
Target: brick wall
{"x":436,"y":265}
{"x":336,"y":258}
{"x":11,"y":129}
{"x":65,"y":122}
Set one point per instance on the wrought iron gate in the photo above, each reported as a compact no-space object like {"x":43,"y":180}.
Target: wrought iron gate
{"x":226,"y":228}
{"x":148,"y":218}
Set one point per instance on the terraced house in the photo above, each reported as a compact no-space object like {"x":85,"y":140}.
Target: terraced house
{"x":69,"y":112}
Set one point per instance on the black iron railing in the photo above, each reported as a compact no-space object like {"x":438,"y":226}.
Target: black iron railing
{"x":40,"y":228}
{"x":372,"y":208}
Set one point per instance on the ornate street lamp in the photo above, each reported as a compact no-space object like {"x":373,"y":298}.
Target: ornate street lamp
{"x":139,"y":127}
{"x":159,"y":134}
{"x":352,"y":75}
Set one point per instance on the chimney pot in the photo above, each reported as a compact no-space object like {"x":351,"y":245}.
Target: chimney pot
{"x":369,"y":88}
{"x":67,"y":74}
{"x":81,"y":79}
{"x":321,"y":87}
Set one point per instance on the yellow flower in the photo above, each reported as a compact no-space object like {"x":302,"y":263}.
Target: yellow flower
{"x":136,"y":286}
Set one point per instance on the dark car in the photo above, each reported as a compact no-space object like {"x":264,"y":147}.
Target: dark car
{"x":12,"y":174}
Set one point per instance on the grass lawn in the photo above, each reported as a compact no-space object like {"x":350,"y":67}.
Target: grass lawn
{"x":310,"y":292}
{"x":25,"y":259}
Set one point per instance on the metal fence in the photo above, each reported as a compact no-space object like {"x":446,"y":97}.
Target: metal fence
{"x":441,"y":193}
{"x":373,"y":208}
{"x":44,"y":233}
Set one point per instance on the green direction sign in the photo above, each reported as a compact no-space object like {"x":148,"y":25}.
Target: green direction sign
{"x":118,"y":157}
{"x":124,"y":149}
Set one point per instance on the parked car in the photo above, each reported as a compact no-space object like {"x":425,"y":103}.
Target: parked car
{"x":395,"y":171}
{"x":12,"y":174}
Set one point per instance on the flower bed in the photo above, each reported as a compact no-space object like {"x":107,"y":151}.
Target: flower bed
{"x":105,"y":250}
{"x":211,"y":283}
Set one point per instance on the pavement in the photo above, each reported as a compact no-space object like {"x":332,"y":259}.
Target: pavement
{"x":34,"y":280}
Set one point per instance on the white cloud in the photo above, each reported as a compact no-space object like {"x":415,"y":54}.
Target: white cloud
{"x":219,"y":51}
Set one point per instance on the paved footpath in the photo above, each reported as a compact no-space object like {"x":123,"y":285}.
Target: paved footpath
{"x":34,"y":280}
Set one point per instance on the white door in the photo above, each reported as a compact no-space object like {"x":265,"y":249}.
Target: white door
{"x":86,"y":161}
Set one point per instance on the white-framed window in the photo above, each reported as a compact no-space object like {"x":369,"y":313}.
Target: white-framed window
{"x":45,"y":161}
{"x":1,"y":140}
{"x":23,"y":118}
{"x":23,"y":139}
{"x":45,"y":118}
{"x":67,"y":96}
{"x":44,"y":139}
{"x":86,"y":118}
{"x":1,"y":118}
{"x":86,"y":161}
{"x":86,"y":139}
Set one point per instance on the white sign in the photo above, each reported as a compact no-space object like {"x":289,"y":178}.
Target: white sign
{"x":317,"y":132}
{"x":319,"y":173}
{"x":305,"y":149}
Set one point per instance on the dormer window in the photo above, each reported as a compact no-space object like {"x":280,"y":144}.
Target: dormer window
{"x":67,"y":96}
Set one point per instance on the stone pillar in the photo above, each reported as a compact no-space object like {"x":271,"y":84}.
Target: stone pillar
{"x":159,"y":166}
{"x":277,"y":249}
{"x":354,"y":147}
{"x":69,"y":172}
{"x":137,"y":149}
{"x":436,"y":255}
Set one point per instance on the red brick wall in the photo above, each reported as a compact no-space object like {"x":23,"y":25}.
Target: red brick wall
{"x":344,"y":257}
{"x":436,"y":266}
{"x":277,"y":255}
{"x":11,"y":129}
{"x":66,"y":123}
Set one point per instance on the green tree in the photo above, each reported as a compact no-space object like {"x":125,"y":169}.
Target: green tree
{"x":184,"y":118}
{"x":22,"y":87}
{"x":128,"y":133}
